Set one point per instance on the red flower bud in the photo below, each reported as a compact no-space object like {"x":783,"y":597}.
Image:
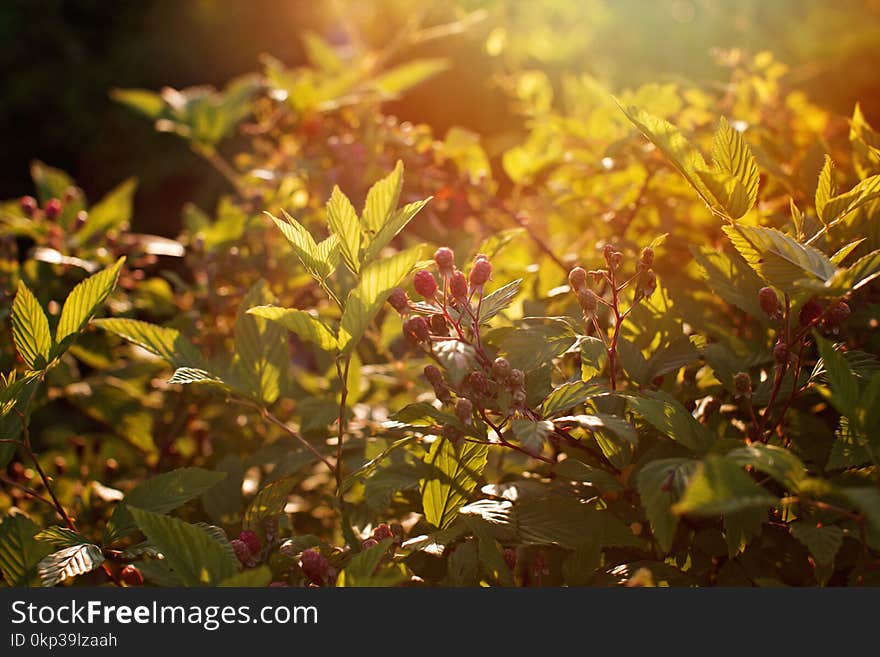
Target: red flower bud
{"x":131,"y":576}
{"x":425,"y":284}
{"x":464,"y":408}
{"x":382,"y":532}
{"x":433,"y":375}
{"x":416,"y":329}
{"x":647,"y":258}
{"x":438,"y":325}
{"x":478,"y":383}
{"x":314,"y":565}
{"x":588,"y":301}
{"x":445,"y":259}
{"x":28,"y":205}
{"x":517,"y":378}
{"x":458,"y":286}
{"x":577,"y":278}
{"x":838,"y":314}
{"x":480,"y":272}
{"x":250,"y":539}
{"x":810,"y":313}
{"x":780,"y":351}
{"x":501,"y":368}
{"x":242,"y":551}
{"x":743,"y":384}
{"x":769,"y":301}
{"x":648,"y":283}
{"x":52,"y":209}
{"x":399,"y":300}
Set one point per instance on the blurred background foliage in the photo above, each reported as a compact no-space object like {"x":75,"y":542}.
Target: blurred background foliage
{"x":60,"y":59}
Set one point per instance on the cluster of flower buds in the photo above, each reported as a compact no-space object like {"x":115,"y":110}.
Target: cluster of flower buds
{"x":579,"y":278}
{"x":380,"y":533}
{"x":830,"y":317}
{"x":742,"y":383}
{"x":455,"y":290}
{"x":769,"y":302}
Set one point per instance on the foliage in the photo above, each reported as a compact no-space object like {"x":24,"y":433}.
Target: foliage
{"x":643,"y":351}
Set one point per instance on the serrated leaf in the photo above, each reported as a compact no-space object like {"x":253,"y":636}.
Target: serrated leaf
{"x":455,"y":473}
{"x":823,"y":541}
{"x":731,"y":278}
{"x":720,"y":486}
{"x":112,"y":211}
{"x":30,"y":328}
{"x":779,"y":259}
{"x":196,"y":558}
{"x":594,"y":356}
{"x":19,"y":550}
{"x":674,"y":146}
{"x":160,"y":494}
{"x":660,"y":484}
{"x":845,"y":387}
{"x":320,"y":266}
{"x":84,"y":301}
{"x":531,"y":433}
{"x":260,"y":346}
{"x":269,"y":502}
{"x":863,"y":271}
{"x":673,"y":357}
{"x":166,"y":343}
{"x":841,"y":205}
{"x":731,"y":156}
{"x":496,"y":301}
{"x":588,"y":474}
{"x":303,"y":324}
{"x":382,"y":200}
{"x":391,"y":228}
{"x":344,"y":222}
{"x":777,"y":462}
{"x":377,"y":282}
{"x":60,"y":537}
{"x":49,"y":182}
{"x":569,"y":395}
{"x":825,"y":189}
{"x":670,"y":418}
{"x":603,"y":422}
{"x":69,"y":563}
{"x":363,"y":569}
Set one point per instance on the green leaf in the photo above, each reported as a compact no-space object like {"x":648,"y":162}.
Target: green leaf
{"x":845,"y":386}
{"x":534,"y":344}
{"x":779,"y":259}
{"x":377,"y":282}
{"x":496,"y":301}
{"x":112,"y":211}
{"x":823,"y":541}
{"x":303,"y":324}
{"x":382,"y":200}
{"x":490,"y":556}
{"x":256,"y":578}
{"x":569,"y":395}
{"x":660,"y":484}
{"x":590,"y":475}
{"x":867,"y":500}
{"x":674,"y":146}
{"x":148,"y":103}
{"x":19,"y":550}
{"x":455,"y":474}
{"x":160,"y":494}
{"x":731,"y":278}
{"x":166,"y":343}
{"x":69,"y":563}
{"x":84,"y":301}
{"x":531,"y":433}
{"x":673,"y":357}
{"x":30,"y":328}
{"x":269,"y":502}
{"x":603,"y":422}
{"x":319,"y":264}
{"x":777,"y":462}
{"x":841,"y":205}
{"x":260,"y":346}
{"x":391,"y":228}
{"x":60,"y":537}
{"x":594,"y":356}
{"x":344,"y":222}
{"x":195,"y":557}
{"x":720,"y":486}
{"x":670,"y":418}
{"x":361,"y":571}
{"x":731,"y":156}
{"x":826,"y":189}
{"x":49,"y":181}
{"x":863,"y":271}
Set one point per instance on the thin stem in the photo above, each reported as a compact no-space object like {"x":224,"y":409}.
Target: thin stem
{"x":30,"y":491}
{"x":26,"y":444}
{"x":342,"y":372}
{"x":539,"y":241}
{"x":269,"y":417}
{"x":223,"y":168}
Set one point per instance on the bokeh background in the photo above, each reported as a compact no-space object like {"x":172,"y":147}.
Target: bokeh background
{"x":61,"y":58}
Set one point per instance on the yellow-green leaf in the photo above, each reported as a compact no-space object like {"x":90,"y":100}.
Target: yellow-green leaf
{"x":112,"y":211}
{"x":344,"y":223}
{"x":826,"y":189}
{"x":84,"y":301}
{"x":382,"y":199}
{"x":300,"y":322}
{"x":30,"y":328}
{"x":166,"y":343}
{"x":456,"y":472}
{"x":392,"y":227}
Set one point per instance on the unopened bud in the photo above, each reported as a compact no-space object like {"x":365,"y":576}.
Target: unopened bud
{"x":416,"y":329}
{"x":810,"y":313}
{"x":399,"y":300}
{"x":438,"y":325}
{"x":464,"y":408}
{"x":577,"y":278}
{"x":517,"y":378}
{"x":480,"y":273}
{"x":425,"y":284}
{"x":780,"y":351}
{"x":743,"y":384}
{"x":458,"y":286}
{"x":501,"y":368}
{"x":445,"y":259}
{"x":647,"y":257}
{"x":433,"y":375}
{"x":588,"y":301}
{"x":769,"y":301}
